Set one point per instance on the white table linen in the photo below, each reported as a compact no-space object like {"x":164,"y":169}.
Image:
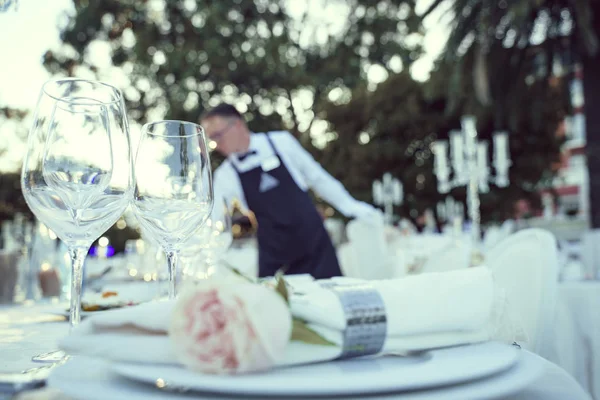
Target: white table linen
{"x":28,"y":331}
{"x":466,"y":308}
{"x":576,"y":336}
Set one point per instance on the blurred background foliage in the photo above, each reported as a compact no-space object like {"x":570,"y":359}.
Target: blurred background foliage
{"x":344,"y":89}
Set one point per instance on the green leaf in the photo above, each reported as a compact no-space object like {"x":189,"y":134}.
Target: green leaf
{"x":238,"y":272}
{"x":302,"y":333}
{"x":281,"y":287}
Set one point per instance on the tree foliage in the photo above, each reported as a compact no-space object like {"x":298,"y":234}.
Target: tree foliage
{"x":502,"y":35}
{"x":502,"y":44}
{"x":391,"y":129}
{"x":180,"y":56}
{"x":291,"y":70}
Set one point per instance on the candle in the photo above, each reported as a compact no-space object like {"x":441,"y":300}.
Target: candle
{"x":501,"y":158}
{"x":501,"y":148}
{"x":469,"y":128}
{"x":49,"y":281}
{"x":482,"y":166}
{"x":440,"y":151}
{"x":387,"y":180}
{"x":441,"y":211}
{"x":440,"y":167}
{"x":398,"y":192}
{"x":377,"y":193}
{"x":456,"y":143}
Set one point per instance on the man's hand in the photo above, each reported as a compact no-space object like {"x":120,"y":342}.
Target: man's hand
{"x":368,"y":213}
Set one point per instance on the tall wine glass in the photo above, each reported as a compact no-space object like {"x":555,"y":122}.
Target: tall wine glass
{"x":207,"y":245}
{"x":77,"y":172}
{"x":173,"y":193}
{"x":216,"y":236}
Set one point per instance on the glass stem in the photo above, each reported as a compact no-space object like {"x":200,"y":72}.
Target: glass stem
{"x":77,"y":255}
{"x":172,"y":263}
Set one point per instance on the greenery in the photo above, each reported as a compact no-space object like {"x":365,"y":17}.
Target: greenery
{"x":504,"y":37}
{"x":291,"y":71}
{"x":11,"y":197}
{"x":398,"y":122}
{"x":191,"y":53}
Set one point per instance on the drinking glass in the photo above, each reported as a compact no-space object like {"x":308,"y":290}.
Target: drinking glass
{"x":173,"y":193}
{"x":77,"y":172}
{"x":207,"y":245}
{"x":216,"y":236}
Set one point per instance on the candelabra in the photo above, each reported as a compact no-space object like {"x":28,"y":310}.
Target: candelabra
{"x":387,"y":193}
{"x":469,"y":164}
{"x":452,"y":212}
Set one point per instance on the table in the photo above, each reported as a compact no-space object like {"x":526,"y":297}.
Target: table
{"x":576,"y":337}
{"x":26,"y":331}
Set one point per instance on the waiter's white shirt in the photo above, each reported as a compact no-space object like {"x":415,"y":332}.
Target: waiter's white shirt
{"x":305,"y":171}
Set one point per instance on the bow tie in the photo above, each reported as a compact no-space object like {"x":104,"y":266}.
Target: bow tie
{"x":242,"y":156}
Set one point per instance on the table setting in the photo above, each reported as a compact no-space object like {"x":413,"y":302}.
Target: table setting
{"x":148,"y":351}
{"x":202,"y":329}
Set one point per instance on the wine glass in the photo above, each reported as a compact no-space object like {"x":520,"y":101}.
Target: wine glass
{"x":77,"y":172}
{"x":173,"y":193}
{"x":207,"y":246}
{"x":216,"y":236}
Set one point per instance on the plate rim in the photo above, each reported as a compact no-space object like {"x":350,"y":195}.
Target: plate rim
{"x":130,"y":371}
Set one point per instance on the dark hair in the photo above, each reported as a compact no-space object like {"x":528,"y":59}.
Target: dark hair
{"x":223,"y":110}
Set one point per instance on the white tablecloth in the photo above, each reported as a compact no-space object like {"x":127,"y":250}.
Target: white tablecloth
{"x":28,"y":331}
{"x":576,"y":344}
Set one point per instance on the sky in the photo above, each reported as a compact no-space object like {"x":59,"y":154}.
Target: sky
{"x":26,"y":33}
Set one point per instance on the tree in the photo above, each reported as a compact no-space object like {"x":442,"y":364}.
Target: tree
{"x":12,"y":133}
{"x":502,"y":35}
{"x":182,"y":56}
{"x":391,"y":129}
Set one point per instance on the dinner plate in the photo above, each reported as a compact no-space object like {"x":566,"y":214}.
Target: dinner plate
{"x":352,"y":376}
{"x":86,"y":378}
{"x":84,"y":314}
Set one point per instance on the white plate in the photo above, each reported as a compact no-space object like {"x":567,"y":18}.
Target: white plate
{"x":84,"y":378}
{"x":349,"y":377}
{"x":84,"y":314}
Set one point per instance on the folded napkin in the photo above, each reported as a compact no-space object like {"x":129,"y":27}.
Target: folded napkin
{"x":422,"y":312}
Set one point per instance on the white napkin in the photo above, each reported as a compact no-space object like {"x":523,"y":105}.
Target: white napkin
{"x":423,"y":312}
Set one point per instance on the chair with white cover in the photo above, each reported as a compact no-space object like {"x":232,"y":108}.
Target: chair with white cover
{"x":508,"y":227}
{"x":448,"y":258}
{"x":590,"y":253}
{"x":526,"y":266}
{"x":345,"y":255}
{"x":493,"y":235}
{"x":367,"y":254}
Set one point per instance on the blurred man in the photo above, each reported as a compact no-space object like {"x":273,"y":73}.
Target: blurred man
{"x":271,"y":173}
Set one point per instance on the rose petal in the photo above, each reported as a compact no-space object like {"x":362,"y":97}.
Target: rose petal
{"x":230,"y":327}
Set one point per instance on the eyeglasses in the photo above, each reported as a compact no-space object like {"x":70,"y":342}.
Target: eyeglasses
{"x":218,"y":135}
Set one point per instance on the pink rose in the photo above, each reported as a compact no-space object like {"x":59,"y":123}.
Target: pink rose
{"x":230,"y":327}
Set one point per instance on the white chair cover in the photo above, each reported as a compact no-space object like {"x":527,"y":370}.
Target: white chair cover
{"x":526,"y":265}
{"x":450,"y":257}
{"x":367,"y":254}
{"x":590,"y":253}
{"x":493,"y":235}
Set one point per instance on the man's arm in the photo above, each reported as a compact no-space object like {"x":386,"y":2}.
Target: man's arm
{"x":325,"y":185}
